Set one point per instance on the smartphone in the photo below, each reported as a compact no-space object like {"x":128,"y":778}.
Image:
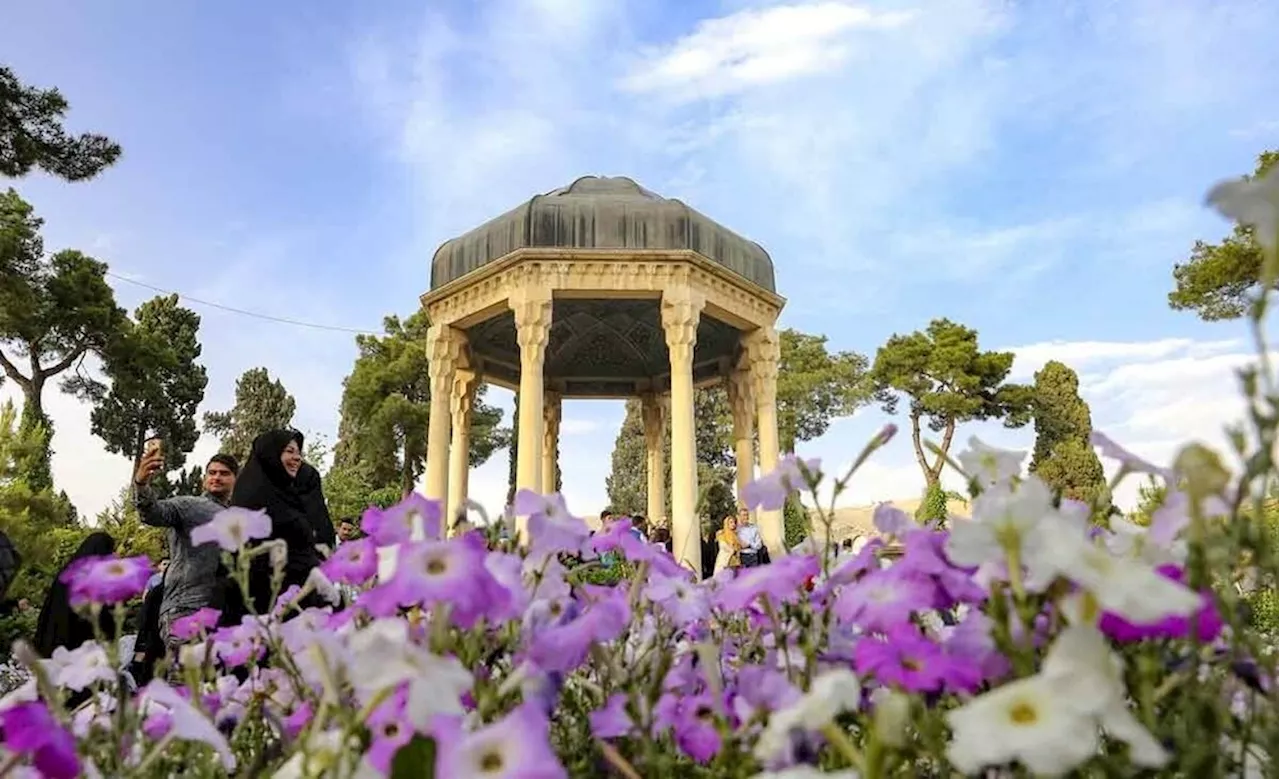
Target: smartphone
{"x":152,"y":446}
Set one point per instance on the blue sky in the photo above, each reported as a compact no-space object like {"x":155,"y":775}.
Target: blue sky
{"x":1030,"y":169}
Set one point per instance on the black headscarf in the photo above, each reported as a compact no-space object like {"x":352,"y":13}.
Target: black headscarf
{"x":59,"y":624}
{"x":265,"y":484}
{"x":311,"y":490}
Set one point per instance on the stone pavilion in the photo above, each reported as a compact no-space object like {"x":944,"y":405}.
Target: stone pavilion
{"x":603,"y":289}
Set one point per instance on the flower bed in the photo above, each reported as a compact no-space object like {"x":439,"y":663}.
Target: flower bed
{"x":1023,"y":640}
{"x":477,"y":660}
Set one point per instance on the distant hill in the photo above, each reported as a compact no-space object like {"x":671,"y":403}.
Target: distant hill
{"x":855,"y":521}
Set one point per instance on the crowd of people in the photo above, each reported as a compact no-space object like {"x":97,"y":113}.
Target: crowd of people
{"x":275,"y":479}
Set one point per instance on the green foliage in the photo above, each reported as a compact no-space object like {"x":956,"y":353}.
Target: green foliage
{"x":415,"y":760}
{"x":154,"y":384}
{"x":795,"y":522}
{"x":627,"y":482}
{"x":37,"y":521}
{"x":54,"y":310}
{"x":133,"y":538}
{"x":946,"y":381}
{"x":1063,"y":456}
{"x":715,"y":492}
{"x":933,"y":507}
{"x":816,"y":386}
{"x":261,"y":405}
{"x":17,"y":625}
{"x":386,"y":405}
{"x":1218,"y":280}
{"x":32,"y":136}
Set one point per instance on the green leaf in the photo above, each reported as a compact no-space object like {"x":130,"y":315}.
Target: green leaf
{"x":415,"y":760}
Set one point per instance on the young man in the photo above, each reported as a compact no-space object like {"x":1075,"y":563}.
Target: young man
{"x":749,"y":537}
{"x":191,"y":579}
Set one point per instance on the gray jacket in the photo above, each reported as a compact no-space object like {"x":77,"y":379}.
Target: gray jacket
{"x":191,"y":581}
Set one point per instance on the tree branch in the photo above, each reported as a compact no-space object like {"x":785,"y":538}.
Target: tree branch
{"x":915,"y":442}
{"x":943,"y":448}
{"x":63,"y":364}
{"x":12,"y":372}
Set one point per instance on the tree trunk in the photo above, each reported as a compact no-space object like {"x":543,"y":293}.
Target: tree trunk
{"x":406,"y":470}
{"x":37,"y":470}
{"x":930,"y":478}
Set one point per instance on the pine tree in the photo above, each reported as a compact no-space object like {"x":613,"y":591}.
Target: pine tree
{"x":1063,"y":456}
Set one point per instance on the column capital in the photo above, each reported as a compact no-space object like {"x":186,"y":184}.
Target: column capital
{"x":681,"y":310}
{"x":445,"y":348}
{"x":532,"y":309}
{"x":462,"y":396}
{"x":763,"y":354}
{"x":739,"y":386}
{"x":653,"y":415}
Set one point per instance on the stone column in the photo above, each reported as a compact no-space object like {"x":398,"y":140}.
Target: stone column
{"x":681,"y":309}
{"x":551,"y":406}
{"x":461,"y":402}
{"x":444,"y":354}
{"x":763,"y":354}
{"x":742,"y":403}
{"x":532,"y":309}
{"x":653,"y":411}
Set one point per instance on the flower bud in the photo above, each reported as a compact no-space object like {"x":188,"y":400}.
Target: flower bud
{"x":1203,"y":471}
{"x":891,"y":715}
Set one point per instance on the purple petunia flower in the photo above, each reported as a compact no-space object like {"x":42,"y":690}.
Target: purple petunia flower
{"x":450,"y":572}
{"x":883,"y":599}
{"x":692,"y":722}
{"x":621,"y":536}
{"x":924,"y":557}
{"x":906,"y":659}
{"x":611,"y":720}
{"x":413,"y":517}
{"x":681,"y":599}
{"x":353,"y":562}
{"x":564,"y":647}
{"x":30,"y":729}
{"x":515,"y":747}
{"x":770,"y":491}
{"x":389,"y":730}
{"x":106,"y":580}
{"x":1206,"y":623}
{"x":195,"y":624}
{"x":237,"y":645}
{"x":781,"y":581}
{"x":552,"y":528}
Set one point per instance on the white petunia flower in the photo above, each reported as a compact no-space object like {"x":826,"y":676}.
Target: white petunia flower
{"x":232,"y":528}
{"x":1124,"y":586}
{"x":1034,"y":721}
{"x":79,"y":668}
{"x":1251,"y":202}
{"x":385,"y":658}
{"x":990,"y":465}
{"x":831,"y":694}
{"x":1081,"y":659}
{"x":1008,"y":519}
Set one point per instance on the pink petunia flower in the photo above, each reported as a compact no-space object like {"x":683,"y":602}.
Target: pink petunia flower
{"x":106,"y":580}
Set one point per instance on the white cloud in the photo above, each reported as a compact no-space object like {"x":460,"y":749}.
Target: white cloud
{"x":577,"y":426}
{"x":757,"y":47}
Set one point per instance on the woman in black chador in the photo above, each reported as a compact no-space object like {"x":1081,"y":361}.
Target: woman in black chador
{"x":311,"y":490}
{"x":59,"y":624}
{"x":269,"y":481}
